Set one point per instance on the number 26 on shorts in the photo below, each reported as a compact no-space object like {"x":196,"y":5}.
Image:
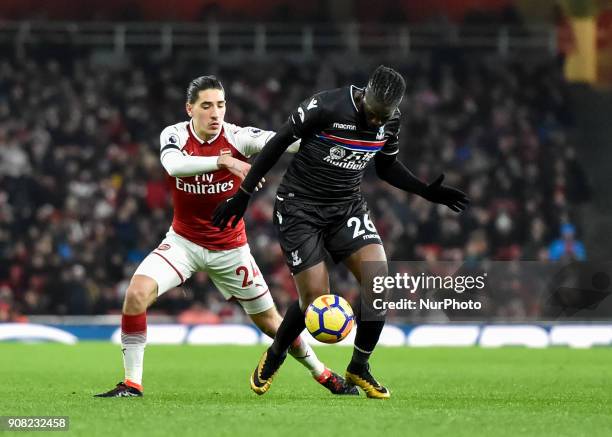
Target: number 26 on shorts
{"x":359,"y":231}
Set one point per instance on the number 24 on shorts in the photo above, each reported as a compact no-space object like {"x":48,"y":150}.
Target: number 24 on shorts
{"x":246,"y":282}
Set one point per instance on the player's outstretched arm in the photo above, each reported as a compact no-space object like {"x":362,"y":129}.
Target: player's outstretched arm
{"x":178,"y":165}
{"x":236,"y":205}
{"x":392,"y":171}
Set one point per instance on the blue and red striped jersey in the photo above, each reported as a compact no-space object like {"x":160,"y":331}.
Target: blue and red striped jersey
{"x":336,"y":147}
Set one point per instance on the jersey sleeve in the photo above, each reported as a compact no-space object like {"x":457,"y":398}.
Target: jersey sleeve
{"x":172,"y":140}
{"x":392,"y":129}
{"x":250,"y":140}
{"x":308,"y":117}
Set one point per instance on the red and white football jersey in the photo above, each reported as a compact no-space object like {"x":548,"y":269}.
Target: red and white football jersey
{"x":196,"y":197}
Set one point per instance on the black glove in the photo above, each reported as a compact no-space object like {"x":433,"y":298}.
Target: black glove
{"x":235,"y":207}
{"x":453,"y":198}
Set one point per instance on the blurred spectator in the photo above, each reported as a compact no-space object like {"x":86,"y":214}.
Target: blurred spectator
{"x":567,"y":248}
{"x":197,"y":314}
{"x":83,"y":197}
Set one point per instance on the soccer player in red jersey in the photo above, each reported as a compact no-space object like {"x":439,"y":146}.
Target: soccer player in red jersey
{"x":206,"y":161}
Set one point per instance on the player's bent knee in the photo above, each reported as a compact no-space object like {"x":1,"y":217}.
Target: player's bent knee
{"x":136,"y":299}
{"x":309,"y":296}
{"x":382,"y":270}
{"x":140,"y":294}
{"x":312,"y":283}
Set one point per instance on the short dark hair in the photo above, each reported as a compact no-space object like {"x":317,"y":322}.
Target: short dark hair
{"x":200,"y":84}
{"x":387,"y":86}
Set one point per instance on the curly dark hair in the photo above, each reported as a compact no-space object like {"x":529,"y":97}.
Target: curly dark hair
{"x":387,"y":86}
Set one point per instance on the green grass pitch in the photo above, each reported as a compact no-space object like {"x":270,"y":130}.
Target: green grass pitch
{"x":195,"y":390}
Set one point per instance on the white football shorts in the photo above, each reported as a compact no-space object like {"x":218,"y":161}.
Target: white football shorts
{"x":234,"y":272}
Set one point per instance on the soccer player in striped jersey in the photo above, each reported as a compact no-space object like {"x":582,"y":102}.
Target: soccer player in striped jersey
{"x":320,"y":210}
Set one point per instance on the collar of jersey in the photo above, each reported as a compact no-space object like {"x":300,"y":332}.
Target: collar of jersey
{"x":200,"y":140}
{"x":353,"y":98}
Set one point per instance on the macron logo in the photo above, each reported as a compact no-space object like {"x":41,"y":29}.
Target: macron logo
{"x":344,"y":126}
{"x":312,"y":104}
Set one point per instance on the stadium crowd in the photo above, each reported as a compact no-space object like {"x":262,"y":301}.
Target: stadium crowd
{"x":83,"y":197}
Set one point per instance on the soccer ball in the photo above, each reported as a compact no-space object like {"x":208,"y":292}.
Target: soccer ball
{"x":329,"y":318}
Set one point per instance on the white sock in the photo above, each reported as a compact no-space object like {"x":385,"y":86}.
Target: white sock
{"x":133,"y":356}
{"x":301,"y":351}
{"x":133,"y":342}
